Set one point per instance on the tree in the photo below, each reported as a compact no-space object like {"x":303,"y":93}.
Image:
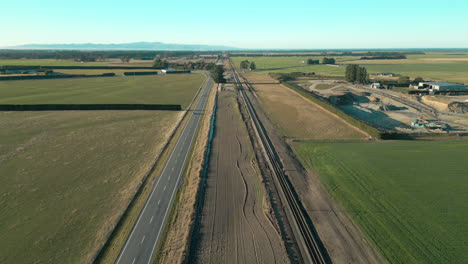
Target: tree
{"x":351,"y":72}
{"x":404,"y":79}
{"x":326,"y":60}
{"x":218,"y":74}
{"x":252,"y":66}
{"x":311,"y":61}
{"x":244,"y":65}
{"x":361,"y":75}
{"x":418,"y":79}
{"x":158,"y":63}
{"x":125,"y":59}
{"x":357,"y":74}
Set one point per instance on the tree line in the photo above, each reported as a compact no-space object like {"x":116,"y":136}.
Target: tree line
{"x":356,"y":74}
{"x":246,"y":65}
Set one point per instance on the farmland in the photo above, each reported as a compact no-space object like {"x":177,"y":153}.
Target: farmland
{"x":164,"y":89}
{"x":437,"y":66}
{"x":409,"y":197}
{"x":31,"y":62}
{"x":67,"y":176}
{"x":298,"y":118}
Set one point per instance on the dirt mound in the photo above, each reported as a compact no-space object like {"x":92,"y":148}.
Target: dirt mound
{"x":458,"y":107}
{"x":348,"y":98}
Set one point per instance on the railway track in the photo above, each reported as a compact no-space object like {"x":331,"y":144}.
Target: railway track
{"x":310,"y":246}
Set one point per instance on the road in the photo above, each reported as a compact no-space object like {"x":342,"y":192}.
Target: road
{"x":145,"y":235}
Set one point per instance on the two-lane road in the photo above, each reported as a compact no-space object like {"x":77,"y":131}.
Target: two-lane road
{"x":145,"y":235}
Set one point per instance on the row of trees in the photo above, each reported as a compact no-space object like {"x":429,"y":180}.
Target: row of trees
{"x":218,"y":74}
{"x":312,"y":61}
{"x":356,"y":74}
{"x":326,"y":60}
{"x":246,"y":65}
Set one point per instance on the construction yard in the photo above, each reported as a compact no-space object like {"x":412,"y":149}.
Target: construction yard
{"x":237,"y":223}
{"x":67,"y":176}
{"x":390,"y":110}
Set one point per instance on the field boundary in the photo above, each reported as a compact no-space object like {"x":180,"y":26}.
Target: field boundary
{"x":100,"y":256}
{"x":85,"y":107}
{"x":374,"y":132}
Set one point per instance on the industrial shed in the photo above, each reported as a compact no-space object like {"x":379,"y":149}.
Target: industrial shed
{"x":441,"y":86}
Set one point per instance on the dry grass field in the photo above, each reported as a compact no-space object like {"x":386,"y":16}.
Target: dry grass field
{"x":298,"y":118}
{"x":154,"y":89}
{"x":67,"y":176}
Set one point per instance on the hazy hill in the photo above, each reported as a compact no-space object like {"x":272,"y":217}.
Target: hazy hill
{"x":124,"y":46}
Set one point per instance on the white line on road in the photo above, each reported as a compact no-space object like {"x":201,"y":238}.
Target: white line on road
{"x":133,"y":260}
{"x":143,"y":240}
{"x":151,"y":220}
{"x":164,"y":187}
{"x":159,"y":202}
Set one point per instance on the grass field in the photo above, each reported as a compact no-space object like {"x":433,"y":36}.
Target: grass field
{"x":453,"y":72}
{"x":296,"y":117}
{"x":443,"y":66}
{"x":409,"y":197}
{"x":161,"y":89}
{"x":97,"y":72}
{"x":29,"y":62}
{"x":263,"y":63}
{"x":66,"y":176}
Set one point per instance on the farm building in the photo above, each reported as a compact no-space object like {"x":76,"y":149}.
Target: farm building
{"x":376,"y":85}
{"x":441,"y":86}
{"x":387,"y":74}
{"x":172,"y":71}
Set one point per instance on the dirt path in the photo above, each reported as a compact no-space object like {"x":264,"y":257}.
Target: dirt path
{"x":236,"y":226}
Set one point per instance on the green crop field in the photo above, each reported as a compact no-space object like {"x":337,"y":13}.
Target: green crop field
{"x":66,"y":176}
{"x":161,"y":89}
{"x":449,"y":66}
{"x":439,"y":55}
{"x":409,"y":197}
{"x":268,"y":63}
{"x":29,"y":62}
{"x":452,"y":72}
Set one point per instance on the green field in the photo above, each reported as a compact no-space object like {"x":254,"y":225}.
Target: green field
{"x":268,"y":63}
{"x":409,"y":197}
{"x":439,"y":55}
{"x":66,"y":176}
{"x":452,"y":72}
{"x":161,"y":89}
{"x":30,"y":62}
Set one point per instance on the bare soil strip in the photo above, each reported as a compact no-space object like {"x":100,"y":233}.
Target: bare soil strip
{"x":236,"y":225}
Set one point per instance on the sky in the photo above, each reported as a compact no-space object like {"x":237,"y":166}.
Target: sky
{"x":249,"y":24}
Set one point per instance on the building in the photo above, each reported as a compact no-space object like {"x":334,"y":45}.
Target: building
{"x":440,"y":86}
{"x":376,"y":85}
{"x":168,"y":70}
{"x":387,"y":74}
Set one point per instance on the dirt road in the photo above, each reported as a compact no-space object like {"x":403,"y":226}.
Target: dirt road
{"x":236,"y":224}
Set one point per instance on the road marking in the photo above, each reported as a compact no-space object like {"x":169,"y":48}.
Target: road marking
{"x":164,"y":187}
{"x":151,"y":220}
{"x":143,"y":240}
{"x":172,"y":169}
{"x":159,"y":202}
{"x":133,"y":260}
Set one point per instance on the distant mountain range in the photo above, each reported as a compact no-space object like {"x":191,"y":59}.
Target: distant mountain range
{"x":126,"y":46}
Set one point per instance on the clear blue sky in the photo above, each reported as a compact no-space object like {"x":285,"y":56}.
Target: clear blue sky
{"x":243,"y":23}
